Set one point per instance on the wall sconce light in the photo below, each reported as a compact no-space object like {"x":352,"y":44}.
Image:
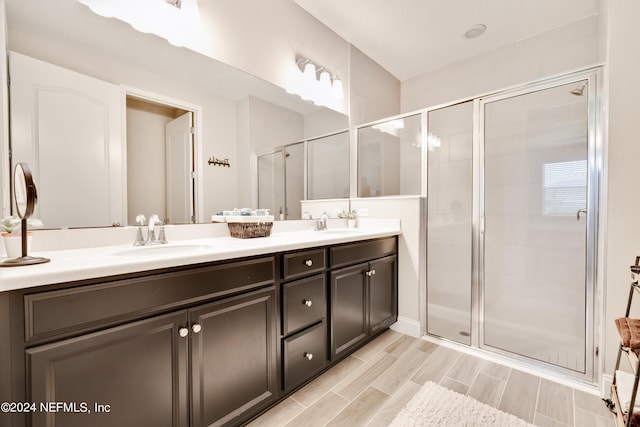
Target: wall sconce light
{"x":316,"y":83}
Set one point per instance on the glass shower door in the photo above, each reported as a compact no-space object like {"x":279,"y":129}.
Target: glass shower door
{"x":449,"y":221}
{"x":535,"y":194}
{"x":271,"y":182}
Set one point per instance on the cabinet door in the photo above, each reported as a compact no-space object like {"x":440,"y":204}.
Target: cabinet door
{"x":383,"y":298}
{"x":138,"y":372}
{"x":348,"y":308}
{"x":234,"y":366}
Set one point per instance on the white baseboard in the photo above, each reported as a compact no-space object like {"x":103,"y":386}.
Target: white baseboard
{"x":407,"y":326}
{"x":605,"y":389}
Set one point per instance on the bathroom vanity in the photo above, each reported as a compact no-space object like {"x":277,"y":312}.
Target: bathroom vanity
{"x":194,"y":337}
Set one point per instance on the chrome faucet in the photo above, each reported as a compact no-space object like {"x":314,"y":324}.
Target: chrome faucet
{"x":321,"y":224}
{"x":154,"y":221}
{"x":152,"y":239}
{"x":140,"y":220}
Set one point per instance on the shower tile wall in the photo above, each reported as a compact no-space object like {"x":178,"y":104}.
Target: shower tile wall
{"x":450,"y":203}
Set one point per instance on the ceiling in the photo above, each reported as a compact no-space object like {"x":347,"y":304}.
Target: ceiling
{"x":410,"y":38}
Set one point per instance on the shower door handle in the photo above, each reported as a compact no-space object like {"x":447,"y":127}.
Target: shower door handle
{"x":584,"y":211}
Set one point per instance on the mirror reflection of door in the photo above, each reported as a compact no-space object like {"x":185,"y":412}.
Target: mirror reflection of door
{"x":179,"y":157}
{"x":61,"y":127}
{"x":159,"y":161}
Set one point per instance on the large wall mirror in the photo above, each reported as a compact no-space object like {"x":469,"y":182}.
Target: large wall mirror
{"x":113,"y":121}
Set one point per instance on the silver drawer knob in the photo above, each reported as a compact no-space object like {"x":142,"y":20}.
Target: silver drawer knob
{"x":308,"y":263}
{"x":196,"y":328}
{"x":308,"y":356}
{"x":183,"y":332}
{"x":307,"y":302}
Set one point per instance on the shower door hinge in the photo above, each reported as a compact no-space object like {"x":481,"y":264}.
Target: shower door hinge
{"x":193,"y":174}
{"x":192,"y":130}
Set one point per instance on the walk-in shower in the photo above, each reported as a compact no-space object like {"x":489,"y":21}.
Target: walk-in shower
{"x":512,"y":197}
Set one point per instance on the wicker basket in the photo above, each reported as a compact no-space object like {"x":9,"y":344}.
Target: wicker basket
{"x":250,"y":227}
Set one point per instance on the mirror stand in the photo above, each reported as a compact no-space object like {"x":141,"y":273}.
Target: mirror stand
{"x":24,"y":190}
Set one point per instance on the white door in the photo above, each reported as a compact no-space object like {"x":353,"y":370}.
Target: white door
{"x":68,"y":128}
{"x":180,"y":170}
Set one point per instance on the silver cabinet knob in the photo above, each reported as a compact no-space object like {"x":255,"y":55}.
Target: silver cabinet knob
{"x":308,"y":263}
{"x":373,"y":272}
{"x":307,"y":302}
{"x":183,"y":332}
{"x":196,"y":328}
{"x":369,"y":274}
{"x":308,"y":356}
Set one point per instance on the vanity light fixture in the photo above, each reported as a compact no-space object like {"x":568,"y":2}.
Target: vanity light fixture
{"x":316,"y":83}
{"x":175,"y":3}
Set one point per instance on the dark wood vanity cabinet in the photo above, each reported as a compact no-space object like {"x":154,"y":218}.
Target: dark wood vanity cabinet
{"x":207,"y":345}
{"x":304,"y":313}
{"x":211,"y":362}
{"x":363,"y":296}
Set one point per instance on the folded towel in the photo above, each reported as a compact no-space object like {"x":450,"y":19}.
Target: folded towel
{"x":624,"y":383}
{"x":629,"y":330}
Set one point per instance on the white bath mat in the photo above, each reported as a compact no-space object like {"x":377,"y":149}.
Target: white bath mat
{"x":437,"y":406}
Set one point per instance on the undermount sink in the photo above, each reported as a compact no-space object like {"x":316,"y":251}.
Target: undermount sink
{"x":157,"y":250}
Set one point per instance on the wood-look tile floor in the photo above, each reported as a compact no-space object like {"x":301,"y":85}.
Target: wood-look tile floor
{"x":372,"y":385}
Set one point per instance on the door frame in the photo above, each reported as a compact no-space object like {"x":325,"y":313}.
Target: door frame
{"x":197,"y":117}
{"x":595,"y":162}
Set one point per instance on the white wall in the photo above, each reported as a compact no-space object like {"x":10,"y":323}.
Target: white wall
{"x":558,"y":51}
{"x":324,"y":121}
{"x":146,"y":178}
{"x":4,"y":121}
{"x":264,"y":38}
{"x":623,"y":225}
{"x":374,"y":94}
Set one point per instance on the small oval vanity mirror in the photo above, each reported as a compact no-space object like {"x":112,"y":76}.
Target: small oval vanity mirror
{"x":25,"y":196}
{"x":24,"y":191}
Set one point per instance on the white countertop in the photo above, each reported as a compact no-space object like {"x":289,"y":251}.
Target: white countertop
{"x":87,"y":263}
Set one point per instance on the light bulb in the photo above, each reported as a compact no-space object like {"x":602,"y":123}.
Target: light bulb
{"x":325,"y":80}
{"x":310,"y":72}
{"x":336,"y":89}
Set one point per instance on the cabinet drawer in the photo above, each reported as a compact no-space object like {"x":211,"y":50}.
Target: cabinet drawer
{"x":353,"y":253}
{"x":61,"y":312}
{"x":304,"y":302}
{"x":304,"y":355}
{"x":302,"y":263}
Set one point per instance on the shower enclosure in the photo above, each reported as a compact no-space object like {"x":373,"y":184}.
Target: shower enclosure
{"x":316,"y":168}
{"x":512,"y":186}
{"x":281,"y":181}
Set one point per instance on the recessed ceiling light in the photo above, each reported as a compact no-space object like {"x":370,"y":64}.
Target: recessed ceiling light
{"x":475,"y":31}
